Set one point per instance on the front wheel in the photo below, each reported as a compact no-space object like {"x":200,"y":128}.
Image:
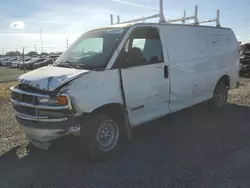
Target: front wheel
{"x":101,"y":135}
{"x":220,"y":95}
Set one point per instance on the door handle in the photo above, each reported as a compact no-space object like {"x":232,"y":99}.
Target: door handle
{"x":165,"y":71}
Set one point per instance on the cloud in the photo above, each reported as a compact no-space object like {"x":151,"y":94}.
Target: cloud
{"x":58,"y":21}
{"x":17,"y":25}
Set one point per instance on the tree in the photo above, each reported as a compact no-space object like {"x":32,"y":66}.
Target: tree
{"x":44,"y":53}
{"x":32,"y":53}
{"x":13,"y":53}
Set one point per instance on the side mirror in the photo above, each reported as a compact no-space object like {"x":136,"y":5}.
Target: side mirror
{"x":165,"y":71}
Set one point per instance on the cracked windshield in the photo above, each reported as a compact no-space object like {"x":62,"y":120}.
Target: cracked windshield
{"x":124,"y":93}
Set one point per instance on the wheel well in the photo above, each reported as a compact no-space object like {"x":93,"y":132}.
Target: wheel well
{"x":111,"y":109}
{"x":116,"y":110}
{"x":226,"y":80}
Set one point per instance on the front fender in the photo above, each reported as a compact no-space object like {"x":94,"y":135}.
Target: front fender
{"x":94,"y":90}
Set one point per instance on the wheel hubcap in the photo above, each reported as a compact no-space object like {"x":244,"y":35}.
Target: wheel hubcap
{"x":107,"y":135}
{"x":220,"y":96}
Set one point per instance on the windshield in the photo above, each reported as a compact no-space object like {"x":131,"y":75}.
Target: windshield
{"x":93,"y":49}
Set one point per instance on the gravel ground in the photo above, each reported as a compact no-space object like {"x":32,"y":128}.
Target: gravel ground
{"x":192,"y":148}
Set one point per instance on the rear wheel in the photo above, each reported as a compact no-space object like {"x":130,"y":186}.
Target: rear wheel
{"x":220,"y":95}
{"x":101,"y":135}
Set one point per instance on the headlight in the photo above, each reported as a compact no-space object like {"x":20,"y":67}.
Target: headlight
{"x":58,"y":100}
{"x":49,"y":101}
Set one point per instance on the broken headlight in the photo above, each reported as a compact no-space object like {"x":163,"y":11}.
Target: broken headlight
{"x":47,"y":101}
{"x":58,"y":100}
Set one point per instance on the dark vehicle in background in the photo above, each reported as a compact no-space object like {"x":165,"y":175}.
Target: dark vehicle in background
{"x":48,"y":61}
{"x":245,"y":58}
{"x":1,"y":60}
{"x":28,"y":64}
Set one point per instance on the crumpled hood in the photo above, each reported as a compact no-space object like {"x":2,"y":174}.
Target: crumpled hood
{"x":49,"y":78}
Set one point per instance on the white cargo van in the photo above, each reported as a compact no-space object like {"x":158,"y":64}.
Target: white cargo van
{"x":115,"y":78}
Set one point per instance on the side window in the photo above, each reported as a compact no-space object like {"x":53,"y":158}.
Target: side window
{"x":139,"y":43}
{"x":142,"y":48}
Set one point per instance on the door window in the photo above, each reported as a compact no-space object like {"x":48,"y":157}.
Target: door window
{"x":139,"y":43}
{"x":142,"y":48}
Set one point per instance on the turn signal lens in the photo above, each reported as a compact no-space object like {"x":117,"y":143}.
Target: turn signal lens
{"x":62,"y":100}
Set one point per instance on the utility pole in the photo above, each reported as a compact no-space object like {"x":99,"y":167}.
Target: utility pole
{"x":41,"y":39}
{"x":23,"y":61}
{"x":67,"y":42}
{"x":35,"y":47}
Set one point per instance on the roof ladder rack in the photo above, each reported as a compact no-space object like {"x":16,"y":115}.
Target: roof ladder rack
{"x":217,"y":19}
{"x":185,"y":18}
{"x":162,"y":19}
{"x":160,"y":15}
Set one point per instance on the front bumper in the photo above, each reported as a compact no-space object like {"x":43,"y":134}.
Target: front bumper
{"x":40,"y":133}
{"x":42,"y":123}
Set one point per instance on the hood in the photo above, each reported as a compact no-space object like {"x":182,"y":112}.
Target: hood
{"x":49,"y":78}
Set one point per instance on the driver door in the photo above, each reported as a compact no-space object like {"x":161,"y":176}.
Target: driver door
{"x":142,"y":70}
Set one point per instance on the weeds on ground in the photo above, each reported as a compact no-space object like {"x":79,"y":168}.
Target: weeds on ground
{"x":5,"y":91}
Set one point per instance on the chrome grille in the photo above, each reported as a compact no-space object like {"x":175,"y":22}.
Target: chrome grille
{"x":23,"y":97}
{"x":26,"y":106}
{"x":25,"y":110}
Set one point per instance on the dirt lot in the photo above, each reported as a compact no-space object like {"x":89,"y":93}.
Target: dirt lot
{"x":191,"y":148}
{"x":9,"y":74}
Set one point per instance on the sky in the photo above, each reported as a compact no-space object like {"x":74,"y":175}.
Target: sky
{"x":65,"y":20}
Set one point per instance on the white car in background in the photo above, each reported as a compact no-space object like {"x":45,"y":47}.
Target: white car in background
{"x":15,"y":64}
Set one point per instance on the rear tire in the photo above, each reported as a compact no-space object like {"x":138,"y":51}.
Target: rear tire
{"x":220,"y":96}
{"x":101,"y":136}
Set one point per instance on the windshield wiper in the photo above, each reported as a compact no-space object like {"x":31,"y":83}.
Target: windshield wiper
{"x":90,"y":67}
{"x":69,"y":64}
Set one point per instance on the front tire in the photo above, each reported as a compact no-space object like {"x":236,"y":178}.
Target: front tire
{"x":101,"y":135}
{"x":220,"y":95}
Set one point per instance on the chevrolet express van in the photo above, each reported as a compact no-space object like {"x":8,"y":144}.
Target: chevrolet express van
{"x":115,"y":78}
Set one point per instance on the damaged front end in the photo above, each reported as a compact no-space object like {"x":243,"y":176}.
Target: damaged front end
{"x":43,"y":115}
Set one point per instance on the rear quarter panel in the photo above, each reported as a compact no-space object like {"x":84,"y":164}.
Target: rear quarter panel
{"x":198,"y":57}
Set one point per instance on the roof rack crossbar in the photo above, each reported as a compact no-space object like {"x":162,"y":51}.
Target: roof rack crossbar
{"x":217,"y":19}
{"x":162,"y":19}
{"x":141,"y":19}
{"x":184,"y":18}
{"x":118,"y":19}
{"x":111,"y":19}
